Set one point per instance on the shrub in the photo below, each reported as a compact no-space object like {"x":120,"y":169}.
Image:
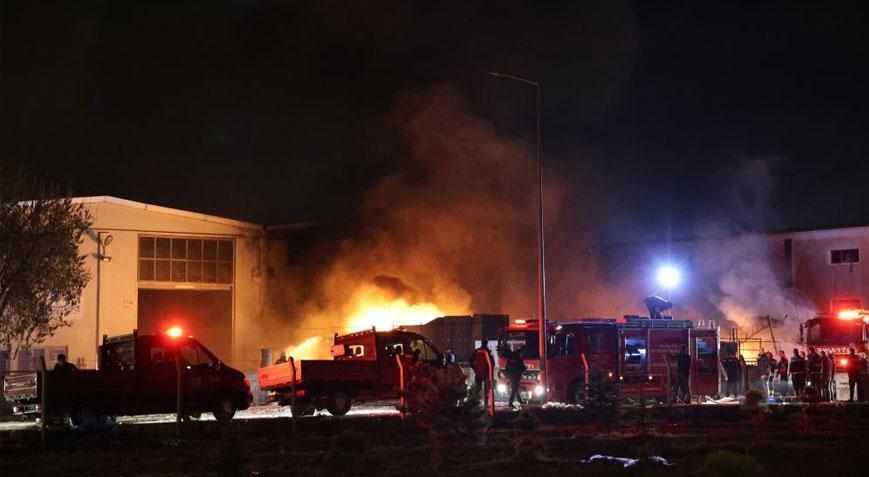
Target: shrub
{"x":753,"y":399}
{"x":440,"y":401}
{"x":603,"y":397}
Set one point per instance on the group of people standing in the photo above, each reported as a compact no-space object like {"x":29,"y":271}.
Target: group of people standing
{"x":785,"y":376}
{"x":782,"y":375}
{"x":482,"y":363}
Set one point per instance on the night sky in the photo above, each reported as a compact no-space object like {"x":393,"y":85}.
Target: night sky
{"x":267,"y":111}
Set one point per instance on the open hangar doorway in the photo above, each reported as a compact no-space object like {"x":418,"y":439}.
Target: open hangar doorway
{"x":204,"y":314}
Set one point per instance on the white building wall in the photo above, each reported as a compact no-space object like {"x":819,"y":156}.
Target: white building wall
{"x":816,"y":279}
{"x":118,"y":279}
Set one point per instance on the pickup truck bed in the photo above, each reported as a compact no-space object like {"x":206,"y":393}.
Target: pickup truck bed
{"x":365,"y":367}
{"x":320,"y":374}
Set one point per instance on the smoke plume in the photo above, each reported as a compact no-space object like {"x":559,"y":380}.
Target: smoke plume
{"x":449,"y":229}
{"x":733,"y":272}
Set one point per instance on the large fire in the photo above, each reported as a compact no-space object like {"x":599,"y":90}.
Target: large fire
{"x":371,"y":307}
{"x":307,"y":349}
{"x":367,"y":307}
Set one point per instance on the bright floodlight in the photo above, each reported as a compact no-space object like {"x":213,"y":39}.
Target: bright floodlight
{"x":669,"y":277}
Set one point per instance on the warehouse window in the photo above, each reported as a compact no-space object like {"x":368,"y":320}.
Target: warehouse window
{"x":850,"y":255}
{"x":190,"y":260}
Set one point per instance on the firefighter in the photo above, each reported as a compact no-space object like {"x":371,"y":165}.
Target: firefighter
{"x":782,"y":373}
{"x":831,"y":383}
{"x":282,"y":358}
{"x":852,"y":367}
{"x":824,"y":384}
{"x":816,"y":369}
{"x":482,"y":362}
{"x":63,"y":365}
{"x":773,"y":367}
{"x":515,"y":368}
{"x":683,"y":372}
{"x":763,"y":370}
{"x":732,"y":370}
{"x":798,"y":373}
{"x":863,"y":380}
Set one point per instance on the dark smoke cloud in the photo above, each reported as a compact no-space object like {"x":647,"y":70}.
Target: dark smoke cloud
{"x":452,"y":222}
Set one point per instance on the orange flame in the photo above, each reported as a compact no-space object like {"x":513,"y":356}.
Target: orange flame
{"x":307,"y":349}
{"x":371,"y":307}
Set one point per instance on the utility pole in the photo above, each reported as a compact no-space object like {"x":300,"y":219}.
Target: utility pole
{"x":541,"y":257}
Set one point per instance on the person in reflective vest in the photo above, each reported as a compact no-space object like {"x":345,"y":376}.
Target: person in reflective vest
{"x":482,"y":361}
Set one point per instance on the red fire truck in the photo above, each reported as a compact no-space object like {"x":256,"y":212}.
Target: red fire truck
{"x":635,"y":351}
{"x":364,"y":367}
{"x":835,"y":333}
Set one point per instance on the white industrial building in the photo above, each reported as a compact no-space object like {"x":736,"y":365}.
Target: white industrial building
{"x":824,"y":266}
{"x":152,"y":268}
{"x":228,"y":282}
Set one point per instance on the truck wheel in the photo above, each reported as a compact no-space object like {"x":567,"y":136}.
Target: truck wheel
{"x":339,"y":404}
{"x":191,"y":416}
{"x":81,"y":414}
{"x":225,"y":409}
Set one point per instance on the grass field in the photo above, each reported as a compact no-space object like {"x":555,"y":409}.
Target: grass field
{"x":782,"y":440}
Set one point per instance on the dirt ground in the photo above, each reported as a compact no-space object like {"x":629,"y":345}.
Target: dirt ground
{"x":821,"y":440}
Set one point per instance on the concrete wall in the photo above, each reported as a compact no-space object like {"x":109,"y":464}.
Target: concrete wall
{"x":118,"y":279}
{"x":815,"y":278}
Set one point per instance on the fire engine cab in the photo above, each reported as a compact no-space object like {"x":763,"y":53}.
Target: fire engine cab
{"x":637,"y":352}
{"x":835,"y":333}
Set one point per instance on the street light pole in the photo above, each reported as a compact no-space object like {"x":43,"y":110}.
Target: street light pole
{"x":541,"y":257}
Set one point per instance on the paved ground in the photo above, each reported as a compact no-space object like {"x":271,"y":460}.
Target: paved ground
{"x":778,"y":440}
{"x":268,"y":411}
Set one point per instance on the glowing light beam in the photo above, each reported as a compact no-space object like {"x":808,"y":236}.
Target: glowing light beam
{"x":669,"y":277}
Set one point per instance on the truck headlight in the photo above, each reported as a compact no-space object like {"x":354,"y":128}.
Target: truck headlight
{"x":502,"y":388}
{"x":538,"y":390}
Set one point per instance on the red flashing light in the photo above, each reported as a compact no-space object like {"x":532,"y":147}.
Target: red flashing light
{"x":852,"y":314}
{"x":843,"y":361}
{"x":174,"y":332}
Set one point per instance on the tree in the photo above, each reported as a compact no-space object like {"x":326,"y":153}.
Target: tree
{"x":41,"y":273}
{"x":439,"y":400}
